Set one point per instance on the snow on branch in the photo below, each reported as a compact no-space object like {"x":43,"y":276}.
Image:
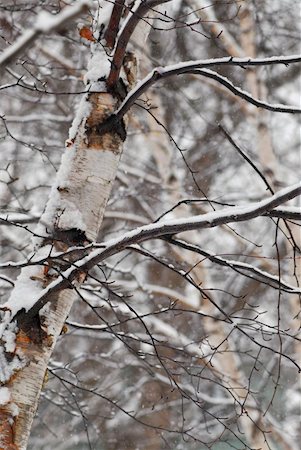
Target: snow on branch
{"x":144,"y":233}
{"x":45,"y":24}
{"x":160,"y":73}
{"x":241,"y":267}
{"x":244,"y":94}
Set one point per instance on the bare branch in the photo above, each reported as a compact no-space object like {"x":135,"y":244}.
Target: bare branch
{"x":125,"y":35}
{"x":112,"y":29}
{"x":206,"y":14}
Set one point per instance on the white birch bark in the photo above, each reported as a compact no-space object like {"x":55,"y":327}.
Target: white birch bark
{"x":73,"y":216}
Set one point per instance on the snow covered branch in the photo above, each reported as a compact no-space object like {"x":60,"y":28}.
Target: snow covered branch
{"x":45,"y":23}
{"x":187,"y":291}
{"x":242,"y":268}
{"x":244,"y":94}
{"x":144,"y":233}
{"x":160,"y":73}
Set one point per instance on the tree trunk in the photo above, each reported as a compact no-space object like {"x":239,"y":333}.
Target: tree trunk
{"x":72,"y":217}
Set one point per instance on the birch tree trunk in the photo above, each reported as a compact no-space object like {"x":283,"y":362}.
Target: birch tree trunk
{"x":72,"y":217}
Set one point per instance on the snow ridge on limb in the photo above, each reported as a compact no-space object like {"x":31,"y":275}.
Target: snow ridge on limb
{"x":208,"y":220}
{"x":45,"y":24}
{"x":241,"y":267}
{"x":144,"y":233}
{"x":160,"y":73}
{"x":244,"y":94}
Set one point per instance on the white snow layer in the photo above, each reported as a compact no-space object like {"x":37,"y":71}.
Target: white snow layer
{"x":8,"y":368}
{"x":4,"y":395}
{"x":99,"y":68}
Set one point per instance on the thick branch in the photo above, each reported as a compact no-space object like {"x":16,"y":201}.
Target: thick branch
{"x":287,"y":213}
{"x":281,"y":212}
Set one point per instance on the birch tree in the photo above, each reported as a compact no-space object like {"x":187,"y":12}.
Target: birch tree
{"x":149,"y":299}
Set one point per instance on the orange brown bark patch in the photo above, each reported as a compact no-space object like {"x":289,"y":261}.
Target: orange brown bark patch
{"x":103,"y":105}
{"x":6,"y":431}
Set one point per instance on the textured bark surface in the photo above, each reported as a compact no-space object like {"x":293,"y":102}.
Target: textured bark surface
{"x":93,"y":169}
{"x":26,"y":385}
{"x":84,"y":191}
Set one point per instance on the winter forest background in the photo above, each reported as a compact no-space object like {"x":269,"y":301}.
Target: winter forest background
{"x":186,"y":341}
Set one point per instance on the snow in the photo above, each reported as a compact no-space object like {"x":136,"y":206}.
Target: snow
{"x":289,"y":209}
{"x":242,"y":93}
{"x":19,"y":217}
{"x":14,"y":410}
{"x":9,"y":337}
{"x":105,"y":12}
{"x":83,"y":111}
{"x":45,"y":22}
{"x":8,"y":368}
{"x":125,"y":22}
{"x":56,"y":203}
{"x":55,"y":208}
{"x":26,"y":288}
{"x":30,"y":291}
{"x":253,"y":269}
{"x":226,"y":215}
{"x":139,"y":85}
{"x":202,"y":63}
{"x":4,"y":396}
{"x":44,"y":312}
{"x":99,"y":68}
{"x":188,"y":66}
